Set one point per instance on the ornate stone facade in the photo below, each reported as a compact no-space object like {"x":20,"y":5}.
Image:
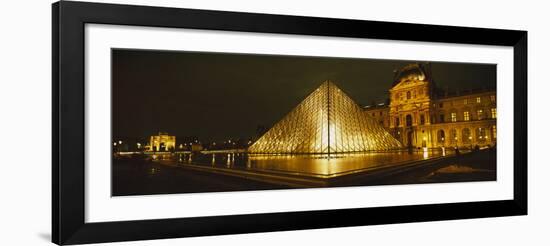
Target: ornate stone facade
{"x":162,"y":142}
{"x":421,"y":115}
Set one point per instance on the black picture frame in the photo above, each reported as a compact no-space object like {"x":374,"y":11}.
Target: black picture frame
{"x":68,"y":117}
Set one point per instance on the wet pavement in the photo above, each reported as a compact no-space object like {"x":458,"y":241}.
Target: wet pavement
{"x":141,"y":177}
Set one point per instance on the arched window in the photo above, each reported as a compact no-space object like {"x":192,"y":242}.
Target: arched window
{"x":481,"y":134}
{"x":441,"y":136}
{"x":408,"y":120}
{"x":466,"y":136}
{"x":453,"y":136}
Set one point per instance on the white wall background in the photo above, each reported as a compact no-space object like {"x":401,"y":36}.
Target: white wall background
{"x":25,"y":102}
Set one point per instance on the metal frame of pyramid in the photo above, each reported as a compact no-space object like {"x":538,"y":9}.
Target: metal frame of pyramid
{"x":327,"y":121}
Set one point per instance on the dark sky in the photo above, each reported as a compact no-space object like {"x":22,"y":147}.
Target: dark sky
{"x":216,"y":96}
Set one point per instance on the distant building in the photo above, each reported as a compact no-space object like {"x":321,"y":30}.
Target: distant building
{"x":421,"y":115}
{"x":196,"y":147}
{"x":162,"y":142}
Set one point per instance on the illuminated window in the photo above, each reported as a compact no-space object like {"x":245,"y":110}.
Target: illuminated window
{"x":481,"y":135}
{"x":466,"y":136}
{"x":493,"y":98}
{"x":494,"y":129}
{"x":480,"y":114}
{"x":465,"y":101}
{"x":478,"y":99}
{"x":466,"y":116}
{"x":454,"y":136}
{"x":453,"y":117}
{"x":493,"y":113}
{"x":441,"y":136}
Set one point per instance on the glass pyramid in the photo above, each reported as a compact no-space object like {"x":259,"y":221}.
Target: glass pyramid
{"x":327,"y":121}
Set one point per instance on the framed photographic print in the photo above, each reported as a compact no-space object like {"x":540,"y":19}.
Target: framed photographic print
{"x":175,"y":122}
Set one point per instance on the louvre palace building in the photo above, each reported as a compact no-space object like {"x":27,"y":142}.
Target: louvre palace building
{"x":421,"y":115}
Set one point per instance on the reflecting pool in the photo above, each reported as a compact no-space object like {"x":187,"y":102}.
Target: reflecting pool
{"x":314,"y":165}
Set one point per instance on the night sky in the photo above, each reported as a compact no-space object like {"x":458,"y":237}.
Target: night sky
{"x":216,"y":96}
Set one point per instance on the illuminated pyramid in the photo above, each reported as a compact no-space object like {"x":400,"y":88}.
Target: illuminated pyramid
{"x":327,"y":121}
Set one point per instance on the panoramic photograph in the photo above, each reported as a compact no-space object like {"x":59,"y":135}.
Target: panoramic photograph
{"x":189,"y":122}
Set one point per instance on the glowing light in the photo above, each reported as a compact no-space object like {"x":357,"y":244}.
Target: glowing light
{"x":114,"y":144}
{"x":327,"y":121}
{"x":425,"y":154}
{"x":119,"y":142}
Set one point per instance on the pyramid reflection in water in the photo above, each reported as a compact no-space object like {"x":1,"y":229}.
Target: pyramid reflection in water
{"x":327,"y":121}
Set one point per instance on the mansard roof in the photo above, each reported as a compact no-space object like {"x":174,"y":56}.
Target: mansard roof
{"x":411,"y":72}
